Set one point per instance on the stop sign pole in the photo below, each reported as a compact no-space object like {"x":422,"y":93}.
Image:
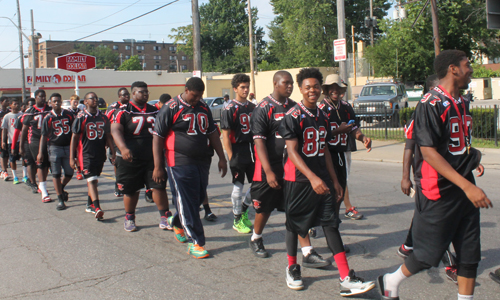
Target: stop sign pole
{"x":75,"y":62}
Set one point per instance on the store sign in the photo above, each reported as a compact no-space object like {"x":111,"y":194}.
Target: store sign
{"x":56,"y":78}
{"x":75,"y":62}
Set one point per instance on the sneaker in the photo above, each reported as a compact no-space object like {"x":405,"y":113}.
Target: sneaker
{"x":197,"y":251}
{"x":211,"y":217}
{"x":5,"y":176}
{"x":164,"y":224}
{"x":34,"y":188}
{"x":65,"y":196}
{"x":99,"y":214}
{"x":61,"y":205}
{"x":451,"y":273}
{"x":404,"y":252}
{"x":16,"y":180}
{"x":381,"y":289}
{"x":294,"y":278}
{"x":118,"y":194}
{"x":79,"y":176}
{"x":25,"y":179}
{"x":353,"y":285}
{"x":179,"y":234}
{"x":129,"y":225}
{"x":241,"y":227}
{"x":495,"y":276}
{"x":353,"y":214}
{"x":314,"y":260}
{"x":46,"y":199}
{"x":90,"y":208}
{"x":257,"y":248}
{"x":246,"y":221}
{"x":148,"y":196}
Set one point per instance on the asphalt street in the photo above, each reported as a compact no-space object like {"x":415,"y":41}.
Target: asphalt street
{"x":50,"y":254}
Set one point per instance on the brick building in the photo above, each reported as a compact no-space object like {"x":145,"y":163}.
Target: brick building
{"x":153,"y":55}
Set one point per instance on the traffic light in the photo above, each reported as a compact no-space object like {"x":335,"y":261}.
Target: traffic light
{"x":493,"y":14}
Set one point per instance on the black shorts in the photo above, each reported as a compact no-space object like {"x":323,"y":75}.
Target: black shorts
{"x":436,"y":224}
{"x":306,"y":209}
{"x":92,"y":168}
{"x":265,"y":198}
{"x":339,"y":160}
{"x":13,"y":154}
{"x":28,"y":157}
{"x":239,"y":170}
{"x":35,"y":148}
{"x":133,"y":176}
{"x":4,"y":153}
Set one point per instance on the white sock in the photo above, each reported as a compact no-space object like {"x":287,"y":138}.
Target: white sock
{"x":407,"y":247}
{"x":43,"y":187}
{"x":25,"y":171}
{"x":14,"y":174}
{"x":236,"y":198}
{"x":255,"y":236}
{"x":465,"y":297}
{"x":392,"y":282}
{"x":306,"y":250}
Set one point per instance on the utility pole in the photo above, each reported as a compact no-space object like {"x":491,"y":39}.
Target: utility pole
{"x":353,"y":55}
{"x":196,"y":36}
{"x":341,"y":35}
{"x":21,"y":55}
{"x":33,"y":55}
{"x":435,"y":27}
{"x":371,"y":27}
{"x":250,"y":34}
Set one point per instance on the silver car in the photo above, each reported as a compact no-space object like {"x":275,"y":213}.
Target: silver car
{"x":215,"y":104}
{"x":66,"y":104}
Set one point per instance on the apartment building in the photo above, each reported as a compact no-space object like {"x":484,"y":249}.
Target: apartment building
{"x":153,"y":55}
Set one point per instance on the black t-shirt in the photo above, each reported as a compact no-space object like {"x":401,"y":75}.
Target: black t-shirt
{"x":138,"y":124}
{"x":438,"y":124}
{"x":185,"y":129}
{"x":337,"y":115}
{"x":93,"y":130}
{"x":266,"y":119}
{"x":58,"y":128}
{"x":33,"y":118}
{"x":311,"y":128}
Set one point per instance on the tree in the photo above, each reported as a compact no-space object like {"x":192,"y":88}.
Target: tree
{"x":224,"y":36}
{"x":131,"y":64}
{"x":462,"y":25}
{"x":105,"y":57}
{"x":303,"y":31}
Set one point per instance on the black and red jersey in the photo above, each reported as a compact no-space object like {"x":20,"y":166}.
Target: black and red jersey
{"x":33,"y":118}
{"x":138,"y":124}
{"x":58,"y":128}
{"x":266,"y":119}
{"x":339,"y":113}
{"x":236,"y":117}
{"x":93,"y":129}
{"x":111,"y":111}
{"x":311,"y":128}
{"x":445,"y":124}
{"x":185,"y":129}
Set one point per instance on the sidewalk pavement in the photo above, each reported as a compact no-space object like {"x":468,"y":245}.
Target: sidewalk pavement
{"x":392,"y":151}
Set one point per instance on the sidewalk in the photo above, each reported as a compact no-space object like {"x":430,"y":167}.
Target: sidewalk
{"x":392,"y":151}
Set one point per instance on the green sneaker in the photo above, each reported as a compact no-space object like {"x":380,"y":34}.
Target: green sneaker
{"x":241,"y":227}
{"x":16,"y":180}
{"x":246,"y":221}
{"x":197,"y":251}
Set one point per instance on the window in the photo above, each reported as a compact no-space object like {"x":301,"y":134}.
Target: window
{"x":184,"y":58}
{"x":127,"y":56}
{"x":156,"y":48}
{"x":173,"y":57}
{"x":173,"y":67}
{"x":41,"y":57}
{"x":157,"y":57}
{"x":157,"y":67}
{"x":115,"y":47}
{"x":184,"y":67}
{"x":139,"y":47}
{"x":141,"y":57}
{"x":127,"y":47}
{"x":144,"y":65}
{"x":172,"y":48}
{"x":105,"y":46}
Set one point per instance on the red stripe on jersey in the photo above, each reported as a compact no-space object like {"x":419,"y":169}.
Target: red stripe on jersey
{"x":17,"y":132}
{"x":50,"y":123}
{"x":409,"y":131}
{"x":117,"y":118}
{"x":429,"y":182}
{"x":235,"y":114}
{"x":170,"y":146}
{"x":79,"y":151}
{"x":232,"y":137}
{"x":110,"y":113}
{"x":289,"y":170}
{"x":257,"y":174}
{"x":444,"y":116}
{"x":270,"y":113}
{"x":29,"y":135}
{"x":176,"y":116}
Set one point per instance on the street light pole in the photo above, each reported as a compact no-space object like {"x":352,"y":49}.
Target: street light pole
{"x":33,"y":55}
{"x":371,"y":18}
{"x":196,"y":36}
{"x":250,"y":34}
{"x":21,"y":55}
{"x":435,"y":27}
{"x":341,"y":35}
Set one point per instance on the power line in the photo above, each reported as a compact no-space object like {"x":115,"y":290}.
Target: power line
{"x":144,"y":14}
{"x":11,"y":61}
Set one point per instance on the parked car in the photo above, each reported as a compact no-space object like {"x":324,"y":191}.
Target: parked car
{"x":215,"y":104}
{"x":66,"y":104}
{"x":379,"y":100}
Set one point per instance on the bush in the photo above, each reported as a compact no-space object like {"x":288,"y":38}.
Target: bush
{"x":483,"y":122}
{"x":405,"y":115}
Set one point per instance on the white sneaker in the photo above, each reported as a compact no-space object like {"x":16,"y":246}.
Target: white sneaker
{"x":294,"y":278}
{"x":352,"y":285}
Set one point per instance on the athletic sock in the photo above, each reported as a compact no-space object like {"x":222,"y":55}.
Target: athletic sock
{"x":96,"y":203}
{"x":43,"y":187}
{"x":89,"y":201}
{"x":255,"y":236}
{"x":14,"y":174}
{"x":306,"y":250}
{"x":163,"y":213}
{"x":207,"y":209}
{"x":25,"y":171}
{"x":465,"y":297}
{"x":237,"y":218}
{"x":342,"y":264}
{"x":407,"y":247}
{"x":392,"y":282}
{"x":130,"y":216}
{"x":244,"y":207}
{"x":292,"y":260}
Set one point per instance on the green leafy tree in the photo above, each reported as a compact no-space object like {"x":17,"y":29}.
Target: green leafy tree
{"x":462,"y":25}
{"x":224,"y":36}
{"x":131,"y":64}
{"x":105,"y":57}
{"x":481,"y":72}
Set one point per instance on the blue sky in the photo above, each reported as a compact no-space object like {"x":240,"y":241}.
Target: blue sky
{"x":73,"y":19}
